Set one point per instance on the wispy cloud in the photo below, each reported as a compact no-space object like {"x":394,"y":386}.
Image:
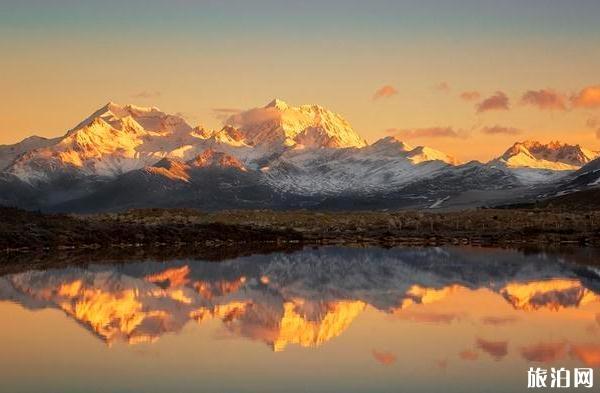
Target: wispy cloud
{"x":145,"y":94}
{"x":224,"y":113}
{"x":468,"y":354}
{"x":444,"y":87}
{"x":589,"y":354}
{"x":501,"y":130}
{"x":545,"y":99}
{"x":588,"y":98}
{"x":544,"y":352}
{"x":496,"y":349}
{"x":442,"y":363}
{"x":498,"y":321}
{"x":497,"y":102}
{"x":250,"y":117}
{"x":593,"y":122}
{"x":386,"y":91}
{"x":385,"y":358}
{"x":471,"y":95}
{"x":430,"y":317}
{"x":428,"y":132}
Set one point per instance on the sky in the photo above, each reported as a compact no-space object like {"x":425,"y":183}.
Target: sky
{"x":468,"y":77}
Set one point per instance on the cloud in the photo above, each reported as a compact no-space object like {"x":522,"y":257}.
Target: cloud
{"x":497,"y":102}
{"x":253,"y":117}
{"x":544,"y":352}
{"x":226,"y":110}
{"x":588,"y":98}
{"x":187,"y":116}
{"x":500,"y":130}
{"x":545,"y":99}
{"x":496,"y":349}
{"x":386,"y":91}
{"x":442,"y":363}
{"x":470,"y":95}
{"x":224,"y":113}
{"x":468,"y":354}
{"x":593,"y":122}
{"x":444,"y":87}
{"x":587,"y":354}
{"x":147,"y":94}
{"x":385,"y":358}
{"x":430,"y":317}
{"x":429,"y":132}
{"x":498,"y":321}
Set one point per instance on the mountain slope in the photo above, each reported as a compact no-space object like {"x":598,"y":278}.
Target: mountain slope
{"x":8,"y":153}
{"x":211,"y":181}
{"x":344,"y":171}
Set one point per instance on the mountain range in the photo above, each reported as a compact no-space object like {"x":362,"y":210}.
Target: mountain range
{"x":276,"y":156}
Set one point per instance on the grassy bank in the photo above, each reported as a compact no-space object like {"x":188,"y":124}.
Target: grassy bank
{"x":159,"y":227}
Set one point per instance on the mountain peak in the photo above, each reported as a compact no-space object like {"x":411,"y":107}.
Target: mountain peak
{"x":393,"y":141}
{"x":306,"y":126}
{"x":554,"y":155}
{"x":170,"y":168}
{"x":277,"y":103}
{"x":392,"y":146}
{"x":213,"y":158}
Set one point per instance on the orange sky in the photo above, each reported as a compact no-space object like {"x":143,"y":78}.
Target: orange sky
{"x":65,"y":62}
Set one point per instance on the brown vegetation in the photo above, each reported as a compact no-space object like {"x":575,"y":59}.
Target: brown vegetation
{"x":168,"y":227}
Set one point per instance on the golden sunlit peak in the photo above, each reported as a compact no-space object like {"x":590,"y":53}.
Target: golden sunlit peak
{"x":417,"y":294}
{"x":277,"y":103}
{"x":117,"y":108}
{"x":297,"y":329}
{"x":551,"y":294}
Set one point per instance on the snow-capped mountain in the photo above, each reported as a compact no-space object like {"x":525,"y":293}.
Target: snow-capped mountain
{"x":535,"y":163}
{"x":8,"y":153}
{"x":114,"y":140}
{"x":588,"y":176}
{"x":278,"y":155}
{"x":176,"y":169}
{"x":391,"y":146}
{"x":307,"y":126}
{"x":386,"y":165}
{"x":117,"y":139}
{"x":555,"y":156}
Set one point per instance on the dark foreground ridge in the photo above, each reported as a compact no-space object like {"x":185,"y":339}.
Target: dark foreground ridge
{"x":194,"y":229}
{"x":35,"y":231}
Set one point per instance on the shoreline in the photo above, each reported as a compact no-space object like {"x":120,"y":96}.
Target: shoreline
{"x":24,"y":230}
{"x":35,"y":239}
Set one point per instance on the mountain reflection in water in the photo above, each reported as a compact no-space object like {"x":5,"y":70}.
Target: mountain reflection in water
{"x":311,"y":297}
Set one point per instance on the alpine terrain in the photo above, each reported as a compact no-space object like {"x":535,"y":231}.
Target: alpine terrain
{"x":276,"y":156}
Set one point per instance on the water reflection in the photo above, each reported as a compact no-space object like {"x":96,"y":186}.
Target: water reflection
{"x":305,"y":298}
{"x":489,"y":305}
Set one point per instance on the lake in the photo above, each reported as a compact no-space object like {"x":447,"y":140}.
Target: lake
{"x":329,"y":319}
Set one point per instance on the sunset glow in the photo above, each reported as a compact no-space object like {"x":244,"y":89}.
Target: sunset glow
{"x":402,"y":65}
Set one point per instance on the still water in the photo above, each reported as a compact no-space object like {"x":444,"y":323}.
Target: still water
{"x":316,"y":320}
